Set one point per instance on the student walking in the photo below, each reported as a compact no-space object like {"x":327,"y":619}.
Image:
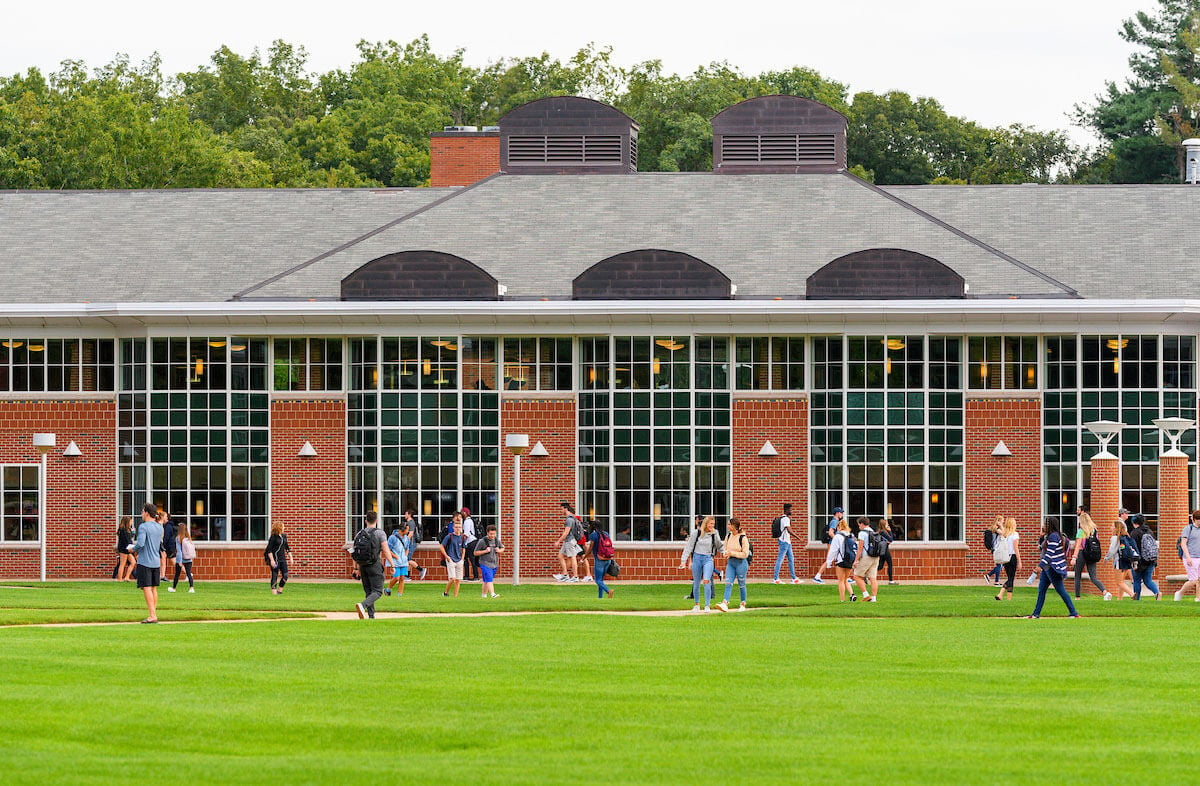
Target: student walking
{"x":568,"y":544}
{"x":148,"y":548}
{"x":1087,"y":553}
{"x":185,"y":555}
{"x":885,"y":531}
{"x":169,"y":544}
{"x":601,"y":547}
{"x":470,"y":536}
{"x":1143,"y":568}
{"x":1053,"y":566}
{"x":125,"y":559}
{"x":1189,"y":544}
{"x":1117,"y":555}
{"x":701,"y":549}
{"x":414,"y":532}
{"x":370,"y":551}
{"x":487,"y":553}
{"x":866,"y":564}
{"x":782,"y":527}
{"x":737,"y":563}
{"x":839,"y":516}
{"x":453,"y":549}
{"x":842,"y":553}
{"x":992,"y":575}
{"x":1007,"y":554}
{"x":278,"y":555}
{"x":400,"y":544}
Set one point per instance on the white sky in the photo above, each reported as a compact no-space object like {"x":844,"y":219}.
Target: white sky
{"x":1021,"y":61}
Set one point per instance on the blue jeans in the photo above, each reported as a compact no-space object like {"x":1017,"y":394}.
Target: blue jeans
{"x":1142,"y":575}
{"x":601,"y":570}
{"x":1050,"y":577}
{"x":702,"y":569}
{"x":735,"y":570}
{"x":785,"y":550}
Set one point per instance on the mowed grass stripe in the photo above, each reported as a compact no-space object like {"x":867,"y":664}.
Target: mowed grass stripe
{"x":576,"y":699}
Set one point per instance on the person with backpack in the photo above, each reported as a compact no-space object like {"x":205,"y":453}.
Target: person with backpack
{"x":1189,"y":552}
{"x":369,"y":550}
{"x":871,"y":547}
{"x":1143,"y":568}
{"x":414,"y":532}
{"x":400,"y":544}
{"x":885,"y":531}
{"x":169,"y":544}
{"x":842,"y":553}
{"x":1118,"y":557}
{"x":487,"y":553}
{"x":278,"y":555}
{"x":992,"y":575}
{"x":186,"y":551}
{"x":470,"y":564}
{"x":568,"y":544}
{"x":1053,"y":566}
{"x":781,"y":530}
{"x":603,"y":554}
{"x":702,"y":548}
{"x":453,"y":549}
{"x":1087,"y":553}
{"x":831,"y":529}
{"x":738,"y":553}
{"x":1007,"y":555}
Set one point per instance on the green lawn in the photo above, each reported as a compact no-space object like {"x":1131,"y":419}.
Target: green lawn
{"x":922,"y":688}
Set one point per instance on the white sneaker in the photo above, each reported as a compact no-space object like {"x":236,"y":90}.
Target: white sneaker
{"x":723,"y":606}
{"x":1179,"y":596}
{"x":558,"y":576}
{"x":818,"y":580}
{"x":743,"y":606}
{"x":870,"y":599}
{"x":192,"y":590}
{"x":170,"y":589}
{"x":797,"y":581}
{"x":494,"y":595}
{"x":776,"y":581}
{"x":573,"y":579}
{"x":1108,"y":596}
{"x":362,"y":612}
{"x":868,"y":596}
{"x":695,"y":609}
{"x":707,"y":610}
{"x":586,"y":579}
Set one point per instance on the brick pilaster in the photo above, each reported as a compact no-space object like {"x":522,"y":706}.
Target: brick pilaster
{"x":1105,"y":502}
{"x":1173,"y":513}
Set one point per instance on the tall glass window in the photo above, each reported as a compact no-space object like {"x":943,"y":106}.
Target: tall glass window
{"x":654,"y":434}
{"x":1002,"y":362}
{"x":40,"y":365}
{"x":1131,"y":379}
{"x":537,"y":364}
{"x":423,"y":428}
{"x":770,"y":362}
{"x":887,"y":433}
{"x":193,"y":433}
{"x":19,"y":494}
{"x":308,"y":363}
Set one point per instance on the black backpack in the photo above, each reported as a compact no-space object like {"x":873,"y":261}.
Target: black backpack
{"x":776,"y":529}
{"x":366,"y":547}
{"x":849,"y":552}
{"x":749,"y":549}
{"x":877,"y":545}
{"x":1092,"y":551}
{"x":414,"y":529}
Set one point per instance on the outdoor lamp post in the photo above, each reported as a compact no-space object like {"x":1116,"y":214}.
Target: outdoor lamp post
{"x":1174,"y":428}
{"x":44,"y":444}
{"x":516,"y":444}
{"x":1104,"y":430}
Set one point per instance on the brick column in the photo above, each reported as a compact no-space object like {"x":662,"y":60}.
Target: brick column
{"x":1002,"y":485}
{"x":1173,"y":513}
{"x":546,"y":481}
{"x":1105,"y":502}
{"x":308,"y":494}
{"x":81,"y":497}
{"x":761,"y":484}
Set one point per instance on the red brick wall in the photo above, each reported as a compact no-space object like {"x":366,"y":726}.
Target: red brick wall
{"x":460,"y":160}
{"x":761,"y":484}
{"x":1173,"y":513}
{"x":545,"y":481}
{"x":1001,"y":485}
{"x":1105,"y":501}
{"x":81,"y":490}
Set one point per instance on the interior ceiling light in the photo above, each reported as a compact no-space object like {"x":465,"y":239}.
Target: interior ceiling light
{"x":14,"y":344}
{"x":894,"y":343}
{"x":441,"y":342}
{"x":36,"y":347}
{"x":1115,"y":344}
{"x":665,"y":342}
{"x":237,"y":347}
{"x":216,"y":344}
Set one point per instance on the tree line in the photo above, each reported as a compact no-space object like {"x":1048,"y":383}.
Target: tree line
{"x":263,"y":120}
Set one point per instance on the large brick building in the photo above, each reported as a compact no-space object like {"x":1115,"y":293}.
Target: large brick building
{"x":774,"y":331}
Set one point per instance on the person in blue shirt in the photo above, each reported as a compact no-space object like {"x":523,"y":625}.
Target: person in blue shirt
{"x":1053,"y":567}
{"x":147,"y":547}
{"x":400,"y":543}
{"x":452,"y":548}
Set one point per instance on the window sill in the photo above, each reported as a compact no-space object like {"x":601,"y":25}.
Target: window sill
{"x":23,"y":545}
{"x":221,"y":545}
{"x":949,"y":545}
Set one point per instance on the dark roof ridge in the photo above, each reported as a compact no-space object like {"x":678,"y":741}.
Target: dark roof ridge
{"x":361,"y":238}
{"x":964,"y":235}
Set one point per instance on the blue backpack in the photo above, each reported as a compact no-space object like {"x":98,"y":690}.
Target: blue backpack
{"x":1129,"y":550}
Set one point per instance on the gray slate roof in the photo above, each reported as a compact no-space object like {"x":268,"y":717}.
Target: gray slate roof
{"x":535,"y":234}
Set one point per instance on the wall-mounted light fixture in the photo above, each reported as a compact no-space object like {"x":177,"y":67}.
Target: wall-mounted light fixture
{"x":307,"y":450}
{"x":539,"y":450}
{"x":72,"y":450}
{"x":1001,"y":449}
{"x":768,"y":449}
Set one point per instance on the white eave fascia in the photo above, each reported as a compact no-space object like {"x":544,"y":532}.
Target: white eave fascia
{"x":1017,"y":315}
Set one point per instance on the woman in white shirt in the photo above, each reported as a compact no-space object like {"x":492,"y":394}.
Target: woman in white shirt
{"x":1008,"y":534}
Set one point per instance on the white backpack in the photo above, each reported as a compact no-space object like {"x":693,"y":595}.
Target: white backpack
{"x":1002,"y":550}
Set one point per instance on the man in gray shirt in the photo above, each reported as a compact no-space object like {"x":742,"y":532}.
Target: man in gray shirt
{"x":371,"y":573}
{"x":1189,"y":541}
{"x":147,"y":547}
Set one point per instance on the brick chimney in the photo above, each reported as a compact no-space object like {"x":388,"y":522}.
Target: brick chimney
{"x":462,"y":155}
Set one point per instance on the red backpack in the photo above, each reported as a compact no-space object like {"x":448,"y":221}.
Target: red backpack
{"x":604,"y":546}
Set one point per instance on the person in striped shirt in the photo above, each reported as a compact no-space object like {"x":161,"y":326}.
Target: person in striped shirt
{"x":1053,"y":567}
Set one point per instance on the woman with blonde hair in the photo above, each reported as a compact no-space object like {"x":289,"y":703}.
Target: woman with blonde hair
{"x":990,"y":534}
{"x":1008,"y":544}
{"x":702,"y":548}
{"x":845,"y":550}
{"x":1121,"y":565}
{"x":186,"y":551}
{"x":737,"y":562}
{"x":1087,"y":530}
{"x":124,"y":540}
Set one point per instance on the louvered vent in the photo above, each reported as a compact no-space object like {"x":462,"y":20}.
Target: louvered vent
{"x":564,"y":150}
{"x":779,"y":149}
{"x":633,"y":151}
